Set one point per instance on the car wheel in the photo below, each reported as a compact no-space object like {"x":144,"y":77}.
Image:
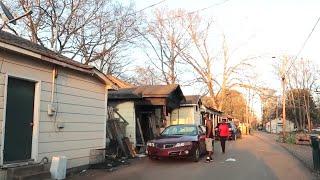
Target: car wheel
{"x":196,"y":154}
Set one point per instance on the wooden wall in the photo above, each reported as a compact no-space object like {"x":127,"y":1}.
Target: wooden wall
{"x":80,"y":101}
{"x":127,"y":111}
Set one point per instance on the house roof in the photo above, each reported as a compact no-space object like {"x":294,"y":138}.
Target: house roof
{"x":191,"y":100}
{"x":156,"y":90}
{"x":168,"y":95}
{"x":20,"y":45}
{"x":124,"y":93}
{"x":144,"y":91}
{"x":119,"y":83}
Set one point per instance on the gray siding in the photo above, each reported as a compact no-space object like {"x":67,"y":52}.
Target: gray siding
{"x":80,"y":101}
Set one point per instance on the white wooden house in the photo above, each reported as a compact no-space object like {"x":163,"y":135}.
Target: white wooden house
{"x":213,"y":113}
{"x":276,"y":126}
{"x":189,"y":111}
{"x":49,"y":105}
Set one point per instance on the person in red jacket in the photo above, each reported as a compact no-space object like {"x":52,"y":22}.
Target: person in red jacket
{"x":224,"y":134}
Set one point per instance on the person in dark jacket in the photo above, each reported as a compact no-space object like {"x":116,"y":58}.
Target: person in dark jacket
{"x":209,"y":138}
{"x":224,"y":134}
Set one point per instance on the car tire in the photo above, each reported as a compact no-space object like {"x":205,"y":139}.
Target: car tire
{"x":196,"y":154}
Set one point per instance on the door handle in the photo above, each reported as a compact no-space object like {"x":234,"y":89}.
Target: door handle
{"x":31,"y":124}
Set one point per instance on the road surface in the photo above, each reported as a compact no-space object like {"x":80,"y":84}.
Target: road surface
{"x":256,"y":157}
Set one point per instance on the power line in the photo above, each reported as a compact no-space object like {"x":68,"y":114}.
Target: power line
{"x":198,"y":10}
{"x":150,"y":6}
{"x":129,"y":14}
{"x":141,"y":10}
{"x":208,"y":7}
{"x":303,"y":45}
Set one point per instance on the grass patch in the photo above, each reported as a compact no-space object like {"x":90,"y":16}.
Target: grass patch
{"x":289,"y":138}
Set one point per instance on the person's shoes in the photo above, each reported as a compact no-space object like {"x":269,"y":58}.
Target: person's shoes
{"x":211,"y":159}
{"x":208,"y":159}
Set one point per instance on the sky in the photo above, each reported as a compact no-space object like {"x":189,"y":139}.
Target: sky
{"x":264,"y":28}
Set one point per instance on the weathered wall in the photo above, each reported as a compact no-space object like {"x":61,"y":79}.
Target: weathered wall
{"x":127,"y":111}
{"x":197,"y":115}
{"x":277,"y":128}
{"x":80,"y":101}
{"x":183,"y":115}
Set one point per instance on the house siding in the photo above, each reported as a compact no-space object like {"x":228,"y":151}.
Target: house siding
{"x":183,"y":115}
{"x":80,"y":101}
{"x":127,"y":111}
{"x":197,"y":116}
{"x":276,"y":126}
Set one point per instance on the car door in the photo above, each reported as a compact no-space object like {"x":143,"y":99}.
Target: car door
{"x":202,"y":138}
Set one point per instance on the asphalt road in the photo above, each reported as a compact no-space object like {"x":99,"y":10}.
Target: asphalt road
{"x":256,"y":157}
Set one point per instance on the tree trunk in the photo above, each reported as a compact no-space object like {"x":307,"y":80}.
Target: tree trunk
{"x":300,"y":114}
{"x":306,"y":105}
{"x":294,"y":110}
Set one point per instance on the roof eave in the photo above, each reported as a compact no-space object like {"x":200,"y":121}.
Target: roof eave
{"x":35,"y":55}
{"x":188,"y":105}
{"x":155,"y":96}
{"x":104,"y":78}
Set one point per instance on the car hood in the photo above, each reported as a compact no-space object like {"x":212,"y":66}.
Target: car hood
{"x":174,"y":139}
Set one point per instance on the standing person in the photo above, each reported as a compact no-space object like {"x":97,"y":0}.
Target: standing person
{"x":224,"y":134}
{"x":209,"y":138}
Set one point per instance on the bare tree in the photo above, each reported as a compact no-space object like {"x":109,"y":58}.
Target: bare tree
{"x":97,"y":32}
{"x":203,"y":59}
{"x":144,"y":76}
{"x":163,"y":36}
{"x":198,"y":54}
{"x":302,"y":77}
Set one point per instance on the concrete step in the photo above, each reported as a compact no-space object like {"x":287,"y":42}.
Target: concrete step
{"x":24,"y":170}
{"x":42,"y":175}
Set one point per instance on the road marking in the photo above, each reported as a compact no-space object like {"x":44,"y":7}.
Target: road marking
{"x":231,"y":160}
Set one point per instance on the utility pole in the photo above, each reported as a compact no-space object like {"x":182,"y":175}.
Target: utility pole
{"x":248,"y":111}
{"x":277,"y":114}
{"x":283,"y":82}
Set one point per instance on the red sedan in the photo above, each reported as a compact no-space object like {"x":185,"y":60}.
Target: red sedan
{"x":185,"y":141}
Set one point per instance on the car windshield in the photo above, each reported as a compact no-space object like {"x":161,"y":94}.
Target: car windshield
{"x":180,"y":130}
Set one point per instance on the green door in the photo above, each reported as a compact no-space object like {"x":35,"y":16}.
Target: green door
{"x":19,"y":120}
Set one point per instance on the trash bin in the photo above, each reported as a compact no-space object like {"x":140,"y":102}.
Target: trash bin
{"x":315,"y":152}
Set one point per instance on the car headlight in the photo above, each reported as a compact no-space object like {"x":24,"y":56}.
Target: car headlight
{"x":151,"y":144}
{"x":183,"y":144}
